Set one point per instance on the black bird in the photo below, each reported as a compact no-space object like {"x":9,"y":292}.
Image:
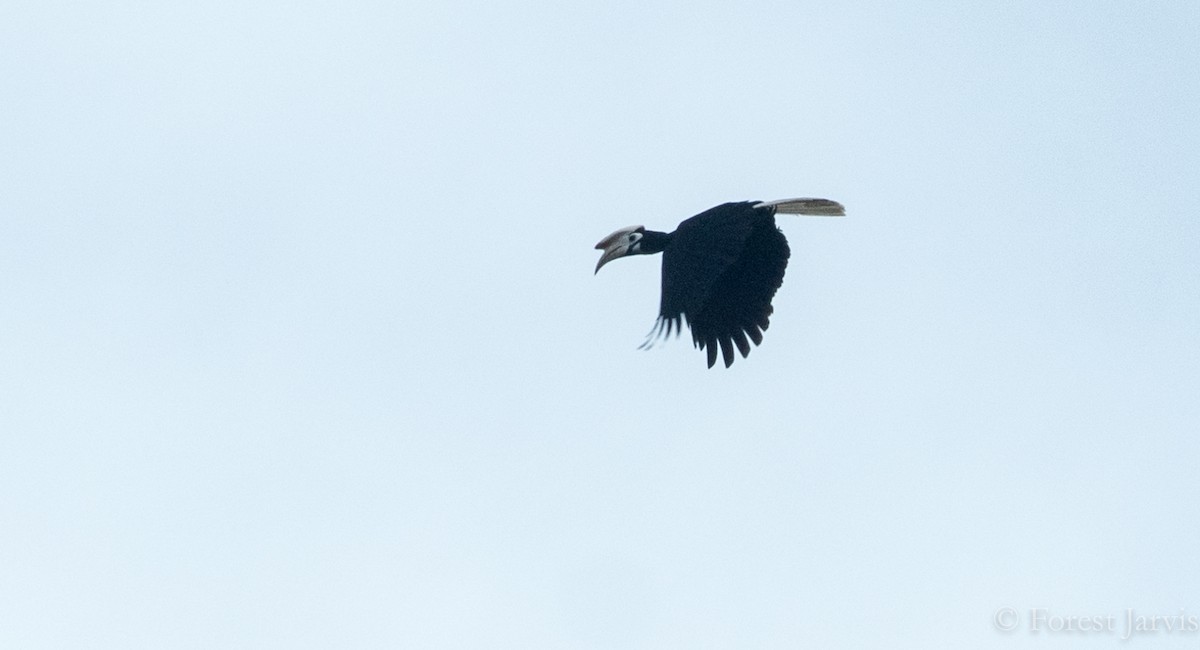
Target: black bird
{"x":720,"y":270}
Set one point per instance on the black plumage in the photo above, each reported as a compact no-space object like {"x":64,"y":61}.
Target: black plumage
{"x":720,"y":270}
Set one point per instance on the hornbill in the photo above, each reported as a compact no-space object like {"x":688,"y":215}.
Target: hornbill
{"x":720,"y":270}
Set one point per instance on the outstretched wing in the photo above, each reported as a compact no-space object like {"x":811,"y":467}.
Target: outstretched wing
{"x":720,"y":272}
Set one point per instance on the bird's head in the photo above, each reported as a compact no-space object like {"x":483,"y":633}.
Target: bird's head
{"x":626,"y":241}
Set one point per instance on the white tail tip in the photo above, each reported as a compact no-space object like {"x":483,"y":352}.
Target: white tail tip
{"x":813,"y":207}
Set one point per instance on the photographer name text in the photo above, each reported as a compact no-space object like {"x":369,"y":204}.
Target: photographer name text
{"x":1129,"y":624}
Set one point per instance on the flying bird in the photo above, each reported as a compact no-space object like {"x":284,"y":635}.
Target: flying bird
{"x":720,"y":270}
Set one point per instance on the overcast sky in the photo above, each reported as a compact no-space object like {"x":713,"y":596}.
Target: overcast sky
{"x":301,"y":347}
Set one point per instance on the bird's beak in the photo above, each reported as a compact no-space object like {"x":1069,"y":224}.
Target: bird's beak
{"x":614,"y":246}
{"x":611,"y":253}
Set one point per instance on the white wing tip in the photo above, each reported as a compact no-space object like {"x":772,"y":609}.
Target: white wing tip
{"x":807,"y":206}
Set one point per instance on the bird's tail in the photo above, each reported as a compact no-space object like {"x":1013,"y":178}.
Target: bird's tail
{"x":813,"y":207}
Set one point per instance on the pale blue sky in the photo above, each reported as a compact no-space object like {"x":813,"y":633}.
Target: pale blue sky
{"x":303,"y":349}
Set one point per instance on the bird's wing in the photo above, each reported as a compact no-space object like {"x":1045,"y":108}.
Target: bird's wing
{"x":701,"y":248}
{"x":721,"y":271}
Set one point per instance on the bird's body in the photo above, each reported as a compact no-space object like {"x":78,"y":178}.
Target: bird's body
{"x":720,"y":270}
